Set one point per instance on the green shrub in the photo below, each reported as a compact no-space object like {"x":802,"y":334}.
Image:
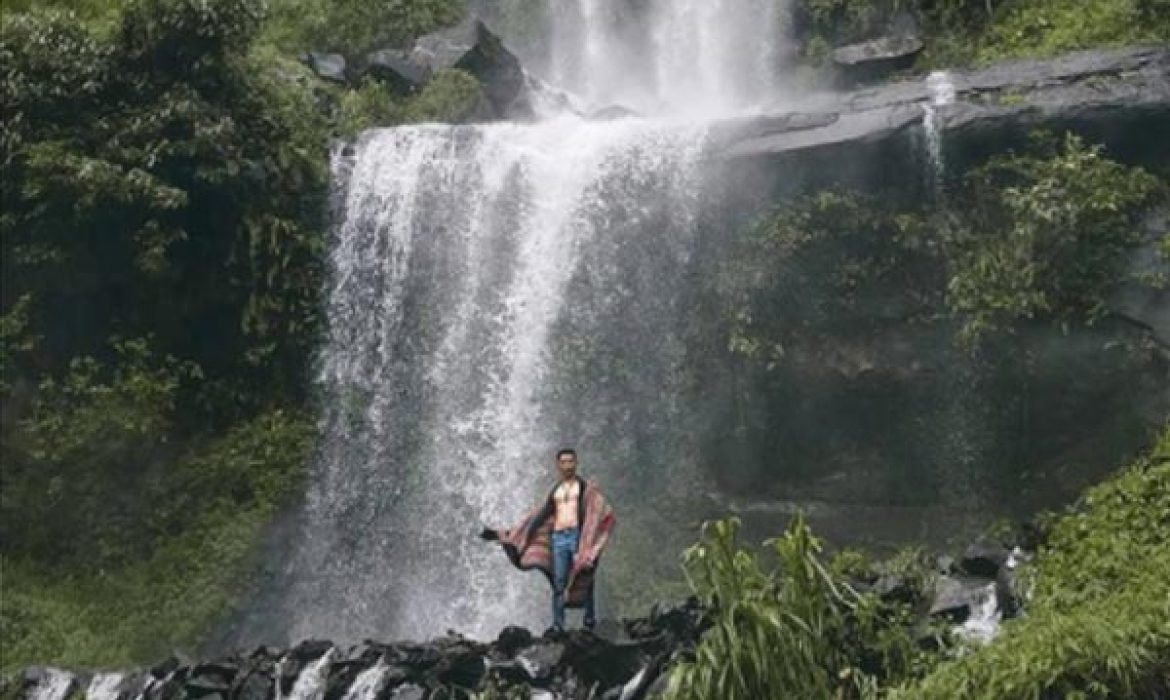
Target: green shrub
{"x":1098,"y":618}
{"x":1049,"y":27}
{"x":807,"y":267}
{"x":451,"y":96}
{"x":205,"y":520}
{"x":161,"y":163}
{"x":72,"y":465}
{"x":354,"y":26}
{"x":1044,"y":236}
{"x":797,"y":631}
{"x":957,"y":32}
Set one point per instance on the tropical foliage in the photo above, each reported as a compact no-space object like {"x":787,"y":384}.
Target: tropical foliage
{"x":798,"y":630}
{"x":164,"y":173}
{"x":966,"y":31}
{"x":1045,"y":236}
{"x":1038,"y":236}
{"x":1097,"y":621}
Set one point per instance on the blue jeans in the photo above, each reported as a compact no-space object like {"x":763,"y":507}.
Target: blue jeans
{"x":564,"y":548}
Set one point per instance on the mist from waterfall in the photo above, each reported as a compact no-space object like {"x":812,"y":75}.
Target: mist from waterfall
{"x":702,"y":58}
{"x":497,"y":292}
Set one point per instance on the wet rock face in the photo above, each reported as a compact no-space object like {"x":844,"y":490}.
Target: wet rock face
{"x":1103,"y":93}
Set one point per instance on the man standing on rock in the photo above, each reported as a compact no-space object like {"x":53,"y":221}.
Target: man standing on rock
{"x":563,"y":538}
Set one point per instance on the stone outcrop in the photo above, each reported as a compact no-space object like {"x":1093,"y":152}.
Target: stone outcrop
{"x":877,"y":58}
{"x":469,"y":46}
{"x":1106,"y":93}
{"x":622,"y":662}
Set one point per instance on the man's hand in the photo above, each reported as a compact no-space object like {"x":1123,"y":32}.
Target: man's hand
{"x":489,"y":535}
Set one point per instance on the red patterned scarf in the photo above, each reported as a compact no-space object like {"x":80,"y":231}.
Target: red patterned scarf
{"x":533,"y":550}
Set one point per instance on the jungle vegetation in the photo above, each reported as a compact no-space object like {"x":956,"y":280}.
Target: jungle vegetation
{"x":163,"y":165}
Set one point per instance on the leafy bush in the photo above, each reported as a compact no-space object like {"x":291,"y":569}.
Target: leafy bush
{"x":205,"y":523}
{"x":968,"y":31}
{"x":809,"y":266}
{"x":1044,"y":236}
{"x":70,"y":471}
{"x":1048,"y":27}
{"x":797,"y":631}
{"x":451,"y":96}
{"x":161,"y":164}
{"x":353,"y":26}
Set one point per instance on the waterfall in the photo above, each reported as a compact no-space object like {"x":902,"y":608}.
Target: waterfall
{"x":54,"y":685}
{"x":310,"y":684}
{"x":497,"y":292}
{"x":104,"y":686}
{"x":982,"y":624}
{"x":450,"y":270}
{"x":368,"y":684}
{"x":698,"y":57}
{"x":941,"y":89}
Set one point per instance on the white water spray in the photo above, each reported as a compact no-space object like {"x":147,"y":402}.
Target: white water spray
{"x":982,"y":624}
{"x":702,"y":58}
{"x":104,"y":686}
{"x":53,"y":686}
{"x":368,"y":685}
{"x":310,"y":684}
{"x":942,"y":93}
{"x":463,"y":259}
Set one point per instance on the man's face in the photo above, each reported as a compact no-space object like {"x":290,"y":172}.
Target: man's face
{"x":567,"y":465}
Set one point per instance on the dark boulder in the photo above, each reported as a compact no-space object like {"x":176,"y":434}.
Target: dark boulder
{"x":327,"y":66}
{"x":983,"y":559}
{"x":472,"y":47}
{"x":876,"y":59}
{"x":255,"y":685}
{"x":541,"y":660}
{"x":894,"y":588}
{"x":211,"y":678}
{"x":461,"y":663}
{"x":167,"y":666}
{"x":397,"y":70}
{"x":598,"y":661}
{"x":512,"y":639}
{"x":955,"y":598}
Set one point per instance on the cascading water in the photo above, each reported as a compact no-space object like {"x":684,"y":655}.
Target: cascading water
{"x":697,"y":57}
{"x":55,"y":685}
{"x":104,"y":686}
{"x":941,"y":88}
{"x":369,"y":683}
{"x":498,"y":292}
{"x":982,"y":625}
{"x":310,"y":684}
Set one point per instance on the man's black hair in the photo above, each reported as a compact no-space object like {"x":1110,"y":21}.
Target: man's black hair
{"x":566,"y":451}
